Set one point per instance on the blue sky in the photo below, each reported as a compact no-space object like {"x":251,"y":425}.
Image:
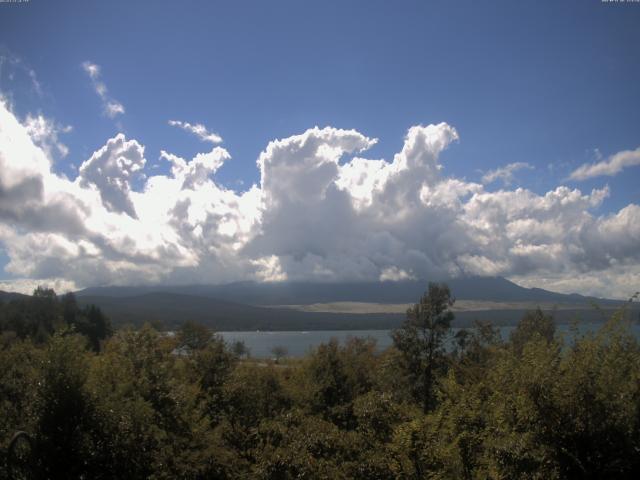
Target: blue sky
{"x":551,"y":84}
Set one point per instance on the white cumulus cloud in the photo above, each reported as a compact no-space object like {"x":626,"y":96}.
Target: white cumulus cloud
{"x":321,"y":211}
{"x":44,"y":132}
{"x":394,"y":274}
{"x":111,"y":169}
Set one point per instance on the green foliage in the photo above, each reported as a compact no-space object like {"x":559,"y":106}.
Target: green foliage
{"x":39,"y":316}
{"x":333,"y":376}
{"x":148,"y":405}
{"x":240,"y":349}
{"x":421,"y":341}
{"x":252,"y":394}
{"x":376,"y":415}
{"x":64,"y":408}
{"x":19,"y":376}
{"x":209,"y":368}
{"x":279,"y":352}
{"x":534,"y":324}
{"x":152,"y":423}
{"x":194,"y":336}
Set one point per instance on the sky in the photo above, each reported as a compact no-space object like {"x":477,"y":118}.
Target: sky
{"x":210,"y":142}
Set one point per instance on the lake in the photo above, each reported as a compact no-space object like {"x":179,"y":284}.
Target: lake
{"x":299,"y":344}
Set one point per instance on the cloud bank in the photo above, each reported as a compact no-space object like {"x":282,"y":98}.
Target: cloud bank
{"x":322,"y":211}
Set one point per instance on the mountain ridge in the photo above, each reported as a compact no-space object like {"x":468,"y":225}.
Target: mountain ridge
{"x":283,"y":293}
{"x":267,"y":306}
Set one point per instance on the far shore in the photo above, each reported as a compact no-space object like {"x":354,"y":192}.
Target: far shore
{"x":459,"y":306}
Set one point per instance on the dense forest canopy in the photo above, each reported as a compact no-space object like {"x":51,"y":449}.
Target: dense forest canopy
{"x":136,"y":403}
{"x":37,"y":317}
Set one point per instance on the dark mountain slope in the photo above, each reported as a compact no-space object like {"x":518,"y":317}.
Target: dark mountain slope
{"x":8,"y":296}
{"x":286,"y":293}
{"x":171,"y":310}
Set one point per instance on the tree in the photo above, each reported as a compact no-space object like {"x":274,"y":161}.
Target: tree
{"x":20,"y":377}
{"x":42,"y":314}
{"x":89,"y":321}
{"x":194,"y":336}
{"x":534,"y":324}
{"x":421,"y":337}
{"x":150,"y":418}
{"x":39,"y":316}
{"x":279,"y":352}
{"x":44,"y":292}
{"x":97,"y":326}
{"x":65,"y":409}
{"x":328,"y":387}
{"x":70,"y":308}
{"x":240,"y":349}
{"x":209,"y":368}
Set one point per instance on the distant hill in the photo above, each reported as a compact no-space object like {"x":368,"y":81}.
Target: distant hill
{"x":284,"y":293}
{"x":169,"y":310}
{"x":172,"y":309}
{"x":255,"y":306}
{"x":8,"y":296}
{"x":258,"y":306}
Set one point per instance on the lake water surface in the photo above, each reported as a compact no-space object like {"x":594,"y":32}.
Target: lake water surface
{"x":299,"y":344}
